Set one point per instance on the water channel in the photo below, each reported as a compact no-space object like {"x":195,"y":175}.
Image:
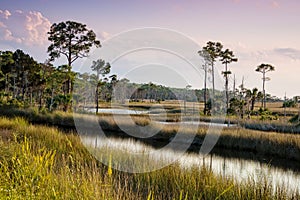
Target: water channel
{"x":280,"y":173}
{"x":239,"y":169}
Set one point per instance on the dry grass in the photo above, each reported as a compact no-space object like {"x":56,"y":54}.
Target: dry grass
{"x":43,"y":163}
{"x":264,"y":143}
{"x":276,"y":107}
{"x":271,"y":143}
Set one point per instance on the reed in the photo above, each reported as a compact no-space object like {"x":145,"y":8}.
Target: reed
{"x":39,"y":162}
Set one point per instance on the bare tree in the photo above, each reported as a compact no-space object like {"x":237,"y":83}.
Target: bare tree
{"x":205,"y":66}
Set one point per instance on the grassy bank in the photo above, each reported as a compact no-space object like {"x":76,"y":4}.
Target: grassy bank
{"x":269,"y":143}
{"x":263,"y":143}
{"x":39,"y":162}
{"x":59,"y":118}
{"x":280,"y":126}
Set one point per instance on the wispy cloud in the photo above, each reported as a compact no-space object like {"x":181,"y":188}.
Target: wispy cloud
{"x":289,"y":52}
{"x":5,"y":14}
{"x":104,"y":35}
{"x":29,"y":28}
{"x":275,"y":4}
{"x":236,"y":1}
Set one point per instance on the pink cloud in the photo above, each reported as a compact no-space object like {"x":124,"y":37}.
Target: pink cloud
{"x":261,"y":4}
{"x":2,"y":25}
{"x":29,"y":28}
{"x":274,"y":4}
{"x":104,"y":35}
{"x":236,"y":1}
{"x":5,"y":14}
{"x":271,"y":4}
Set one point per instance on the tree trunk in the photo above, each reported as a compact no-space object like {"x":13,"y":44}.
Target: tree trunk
{"x":226,"y":87}
{"x":15,"y":75}
{"x":252,"y":104}
{"x":213,"y":90}
{"x":6,"y":84}
{"x":69,"y":91}
{"x":234,"y":86}
{"x":69,"y":67}
{"x":41,"y":99}
{"x":205,"y":91}
{"x":52,"y":99}
{"x":298,"y":109}
{"x":23,"y":86}
{"x":97,"y":98}
{"x":264,"y":92}
{"x":31,"y":97}
{"x":213,"y":79}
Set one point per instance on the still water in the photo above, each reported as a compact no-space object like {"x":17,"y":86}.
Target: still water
{"x":141,"y":112}
{"x":117,"y":111}
{"x":237,"y":168}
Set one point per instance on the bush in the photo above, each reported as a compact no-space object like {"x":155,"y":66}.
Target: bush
{"x":265,"y":114}
{"x":295,"y":120}
{"x":289,"y":104}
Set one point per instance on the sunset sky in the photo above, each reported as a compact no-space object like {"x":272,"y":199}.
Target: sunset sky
{"x":257,"y":31}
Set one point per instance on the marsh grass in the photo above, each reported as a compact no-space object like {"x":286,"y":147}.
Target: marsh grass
{"x":39,"y":162}
{"x":235,"y":138}
{"x":271,"y":143}
{"x":280,"y":126}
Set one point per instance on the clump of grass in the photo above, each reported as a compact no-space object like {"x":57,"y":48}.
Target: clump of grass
{"x":26,"y":175}
{"x":42,"y":163}
{"x":264,"y":143}
{"x":9,"y":124}
{"x":280,"y":126}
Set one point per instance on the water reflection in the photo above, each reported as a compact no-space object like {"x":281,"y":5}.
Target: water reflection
{"x":198,"y":123}
{"x":237,"y":168}
{"x":117,"y":111}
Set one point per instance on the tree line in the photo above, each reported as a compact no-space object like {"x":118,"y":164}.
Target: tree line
{"x":25,"y":82}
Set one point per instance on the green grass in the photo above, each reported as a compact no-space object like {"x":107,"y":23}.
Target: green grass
{"x":39,"y":162}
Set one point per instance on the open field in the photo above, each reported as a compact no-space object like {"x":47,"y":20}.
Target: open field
{"x":272,"y":106}
{"x":39,"y":162}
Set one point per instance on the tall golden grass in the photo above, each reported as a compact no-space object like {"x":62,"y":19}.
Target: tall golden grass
{"x":38,"y":162}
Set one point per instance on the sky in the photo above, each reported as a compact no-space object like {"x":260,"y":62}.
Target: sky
{"x":257,"y":31}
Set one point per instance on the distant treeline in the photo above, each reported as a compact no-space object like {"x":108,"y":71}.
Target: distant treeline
{"x":24,"y":82}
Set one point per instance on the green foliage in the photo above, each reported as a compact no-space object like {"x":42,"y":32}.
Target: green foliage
{"x":264,"y":68}
{"x":289,"y":103}
{"x":213,"y":50}
{"x":71,"y":39}
{"x":236,"y":107}
{"x":295,"y":120}
{"x":58,"y":102}
{"x":265,"y":114}
{"x":12,"y":103}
